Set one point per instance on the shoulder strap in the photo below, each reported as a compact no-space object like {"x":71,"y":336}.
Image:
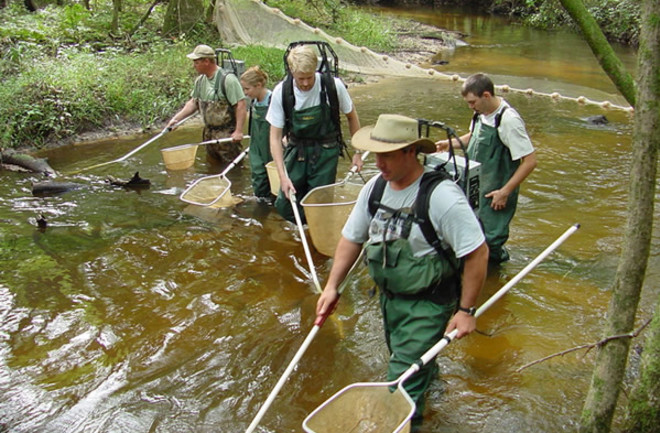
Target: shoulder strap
{"x":421,"y":207}
{"x":288,"y":102}
{"x":498,"y":117}
{"x":373,"y":203}
{"x":475,"y":118}
{"x":250,"y":116}
{"x":198,"y":83}
{"x":498,"y":121}
{"x":328,"y":79}
{"x":220,"y":82}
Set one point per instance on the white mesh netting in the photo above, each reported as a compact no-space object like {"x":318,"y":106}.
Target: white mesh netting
{"x":251,"y":22}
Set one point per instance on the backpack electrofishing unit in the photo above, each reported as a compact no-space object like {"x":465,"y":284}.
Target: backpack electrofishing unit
{"x":228,"y":65}
{"x":328,"y":67}
{"x":464,"y":173}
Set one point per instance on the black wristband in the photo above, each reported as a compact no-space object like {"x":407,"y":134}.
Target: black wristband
{"x":471,"y":311}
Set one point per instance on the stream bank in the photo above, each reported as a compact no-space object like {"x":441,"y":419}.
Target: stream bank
{"x":418,"y":43}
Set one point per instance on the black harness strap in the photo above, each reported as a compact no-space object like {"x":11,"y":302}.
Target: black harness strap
{"x":420,"y":208}
{"x":288,"y":102}
{"x":498,"y":119}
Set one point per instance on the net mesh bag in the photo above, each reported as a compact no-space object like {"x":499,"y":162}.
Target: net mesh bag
{"x":179,"y":157}
{"x":212,"y":191}
{"x":362,"y":408}
{"x":326,"y":210}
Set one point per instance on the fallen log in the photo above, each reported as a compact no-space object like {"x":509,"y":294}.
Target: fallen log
{"x":10,"y":159}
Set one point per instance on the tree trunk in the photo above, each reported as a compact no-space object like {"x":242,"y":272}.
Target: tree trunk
{"x":603,"y":393}
{"x":182,"y":15}
{"x":644,"y":405}
{"x":30,"y":6}
{"x":144,"y":18}
{"x":601,"y":48}
{"x":116,"y":8}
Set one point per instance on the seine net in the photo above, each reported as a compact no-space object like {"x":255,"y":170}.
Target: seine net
{"x":251,"y":22}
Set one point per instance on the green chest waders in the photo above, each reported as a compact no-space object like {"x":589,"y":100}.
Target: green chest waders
{"x":418,"y":297}
{"x":412,"y":325}
{"x":260,"y":150}
{"x":311,"y":156}
{"x":496,"y":170}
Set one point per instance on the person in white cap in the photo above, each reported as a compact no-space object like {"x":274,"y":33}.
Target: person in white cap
{"x":428,"y":282}
{"x":219,"y":97}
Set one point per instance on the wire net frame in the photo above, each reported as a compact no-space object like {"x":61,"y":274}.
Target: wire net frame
{"x":326,"y":210}
{"x":211,"y":191}
{"x":367,"y":407}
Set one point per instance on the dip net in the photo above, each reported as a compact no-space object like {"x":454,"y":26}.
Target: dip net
{"x":326,"y":210}
{"x":212,"y":191}
{"x":362,"y":408}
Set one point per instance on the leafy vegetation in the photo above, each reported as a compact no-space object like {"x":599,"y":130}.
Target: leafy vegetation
{"x":353,"y":24}
{"x":619,"y":19}
{"x":67,"y":69}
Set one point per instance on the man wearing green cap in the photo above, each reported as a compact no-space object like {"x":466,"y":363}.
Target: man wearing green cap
{"x":219,"y":98}
{"x":424,"y":247}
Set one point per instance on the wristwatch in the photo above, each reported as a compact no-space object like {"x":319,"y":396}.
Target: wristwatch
{"x":471,"y":311}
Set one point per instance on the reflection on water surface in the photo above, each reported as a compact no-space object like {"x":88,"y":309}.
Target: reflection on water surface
{"x":135,"y":311}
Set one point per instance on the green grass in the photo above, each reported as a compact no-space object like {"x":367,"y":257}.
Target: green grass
{"x":356,"y":26}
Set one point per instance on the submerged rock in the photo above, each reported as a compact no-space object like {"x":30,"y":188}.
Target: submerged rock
{"x":599,"y":119}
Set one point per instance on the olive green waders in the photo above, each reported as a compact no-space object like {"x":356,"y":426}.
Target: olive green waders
{"x":497,"y":168}
{"x":413,"y":326}
{"x":311,"y":156}
{"x":260,"y":150}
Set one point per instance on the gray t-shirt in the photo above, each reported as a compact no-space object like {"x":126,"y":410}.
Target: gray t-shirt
{"x":450,"y":213}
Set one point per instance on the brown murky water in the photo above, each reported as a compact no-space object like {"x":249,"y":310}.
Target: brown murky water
{"x":136,"y":312}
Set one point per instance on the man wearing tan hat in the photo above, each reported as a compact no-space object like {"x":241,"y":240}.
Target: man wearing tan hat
{"x":428,"y":282}
{"x":219,"y":98}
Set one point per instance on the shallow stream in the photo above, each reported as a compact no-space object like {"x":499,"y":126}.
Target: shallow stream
{"x":136,"y":312}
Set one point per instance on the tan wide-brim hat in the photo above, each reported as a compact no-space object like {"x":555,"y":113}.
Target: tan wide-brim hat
{"x":391,"y":132}
{"x":201,"y":52}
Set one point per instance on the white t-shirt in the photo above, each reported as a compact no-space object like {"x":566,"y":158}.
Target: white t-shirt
{"x":455,"y":223}
{"x":512,"y":130}
{"x":310,"y":98}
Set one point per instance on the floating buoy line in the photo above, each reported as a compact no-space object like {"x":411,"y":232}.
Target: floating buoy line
{"x":362,"y":60}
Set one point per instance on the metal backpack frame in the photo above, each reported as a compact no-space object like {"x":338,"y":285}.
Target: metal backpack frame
{"x":329,"y":69}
